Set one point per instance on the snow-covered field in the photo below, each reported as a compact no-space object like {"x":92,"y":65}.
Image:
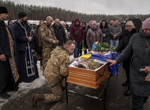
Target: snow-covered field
{"x":26,"y":87}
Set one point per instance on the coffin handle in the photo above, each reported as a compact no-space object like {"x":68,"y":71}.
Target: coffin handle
{"x":102,"y":74}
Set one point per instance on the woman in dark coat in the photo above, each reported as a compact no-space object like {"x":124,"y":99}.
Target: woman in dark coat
{"x":139,"y":51}
{"x":105,"y":30}
{"x":130,"y":28}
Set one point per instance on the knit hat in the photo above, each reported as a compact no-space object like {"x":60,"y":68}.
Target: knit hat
{"x":94,"y":23}
{"x":22,"y":14}
{"x":146,"y":24}
{"x":3,"y":10}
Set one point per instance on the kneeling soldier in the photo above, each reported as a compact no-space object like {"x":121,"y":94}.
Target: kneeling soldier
{"x":56,"y":69}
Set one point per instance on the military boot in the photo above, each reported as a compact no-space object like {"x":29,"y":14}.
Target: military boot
{"x":36,"y":98}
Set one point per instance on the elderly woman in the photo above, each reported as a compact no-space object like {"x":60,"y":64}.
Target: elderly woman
{"x":94,"y":34}
{"x":106,"y":31}
{"x":139,"y":49}
{"x":130,"y":28}
{"x":64,"y":26}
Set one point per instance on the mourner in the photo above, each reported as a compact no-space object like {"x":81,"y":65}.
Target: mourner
{"x":59,"y":32}
{"x":94,"y":34}
{"x":26,"y":66}
{"x":131,"y":28}
{"x":56,"y":69}
{"x":8,"y":71}
{"x":77,"y":35}
{"x":47,"y":40}
{"x":105,"y":31}
{"x":115,"y":32}
{"x":139,"y":49}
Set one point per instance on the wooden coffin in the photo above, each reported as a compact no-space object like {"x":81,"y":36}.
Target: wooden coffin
{"x":88,"y":78}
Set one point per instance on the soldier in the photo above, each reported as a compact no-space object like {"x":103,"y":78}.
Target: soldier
{"x":47,"y":39}
{"x":56,"y":69}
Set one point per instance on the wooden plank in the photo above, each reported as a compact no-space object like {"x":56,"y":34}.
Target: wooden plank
{"x":83,"y":73}
{"x":83,"y":77}
{"x":82,"y":81}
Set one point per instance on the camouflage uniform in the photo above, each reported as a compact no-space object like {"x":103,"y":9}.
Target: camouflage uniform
{"x":46,"y":37}
{"x":56,"y":68}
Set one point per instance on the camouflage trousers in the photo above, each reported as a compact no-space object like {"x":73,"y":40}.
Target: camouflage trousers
{"x":46,"y":55}
{"x":57,"y":92}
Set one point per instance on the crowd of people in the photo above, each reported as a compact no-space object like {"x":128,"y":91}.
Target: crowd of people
{"x":19,"y":48}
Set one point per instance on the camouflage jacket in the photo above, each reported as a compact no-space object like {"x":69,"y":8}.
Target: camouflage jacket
{"x":46,"y":36}
{"x":57,"y":65}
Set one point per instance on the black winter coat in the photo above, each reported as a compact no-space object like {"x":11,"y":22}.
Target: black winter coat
{"x":88,"y":27}
{"x":35,"y":42}
{"x":106,"y":32}
{"x":123,"y":44}
{"x":4,"y":41}
{"x":67,"y":27}
{"x":140,"y":53}
{"x":123,"y":32}
{"x":60,"y":34}
{"x":85,"y":32}
{"x":20,"y":36}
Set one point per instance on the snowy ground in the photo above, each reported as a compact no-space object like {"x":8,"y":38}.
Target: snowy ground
{"x":26,"y":87}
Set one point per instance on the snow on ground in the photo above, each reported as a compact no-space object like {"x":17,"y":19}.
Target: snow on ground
{"x":25,"y":87}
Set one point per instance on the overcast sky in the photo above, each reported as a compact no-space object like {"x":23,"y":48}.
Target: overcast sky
{"x":96,"y":6}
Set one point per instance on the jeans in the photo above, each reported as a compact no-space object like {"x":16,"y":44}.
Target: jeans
{"x":114,"y":42}
{"x":138,"y":102}
{"x":77,"y":49}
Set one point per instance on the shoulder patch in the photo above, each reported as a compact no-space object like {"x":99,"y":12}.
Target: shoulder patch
{"x":42,"y":29}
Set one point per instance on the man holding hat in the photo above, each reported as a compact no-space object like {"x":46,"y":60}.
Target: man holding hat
{"x":26,"y":66}
{"x":8,"y":71}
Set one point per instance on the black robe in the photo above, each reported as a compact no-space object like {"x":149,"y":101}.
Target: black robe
{"x":7,"y":81}
{"x":20,"y":41}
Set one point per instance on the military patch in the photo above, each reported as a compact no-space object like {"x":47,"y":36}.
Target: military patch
{"x":67,"y":64}
{"x":42,"y":29}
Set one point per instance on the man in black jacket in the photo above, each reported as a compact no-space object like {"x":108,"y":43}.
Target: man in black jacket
{"x":59,"y":32}
{"x":8,"y":72}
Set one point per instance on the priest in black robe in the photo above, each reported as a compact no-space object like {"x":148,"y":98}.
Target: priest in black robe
{"x":8,"y":71}
{"x":25,"y":62}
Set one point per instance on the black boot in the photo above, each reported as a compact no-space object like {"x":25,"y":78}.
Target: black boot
{"x":127,"y":93}
{"x":125,"y":83}
{"x":4,"y":95}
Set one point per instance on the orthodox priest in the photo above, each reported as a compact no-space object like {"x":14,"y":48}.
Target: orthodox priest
{"x":8,"y":71}
{"x":26,"y":66}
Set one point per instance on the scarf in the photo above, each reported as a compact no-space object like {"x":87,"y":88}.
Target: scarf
{"x":12,"y":60}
